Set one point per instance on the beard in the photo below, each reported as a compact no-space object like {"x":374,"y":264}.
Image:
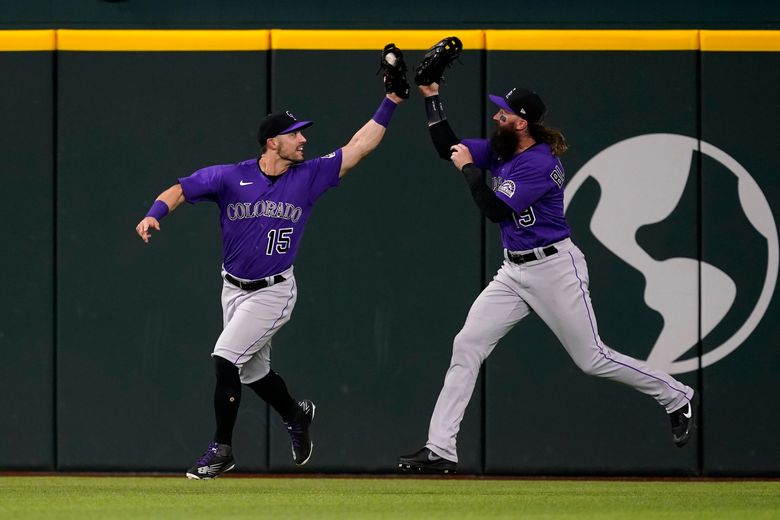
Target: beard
{"x":504,"y":142}
{"x":291,"y":157}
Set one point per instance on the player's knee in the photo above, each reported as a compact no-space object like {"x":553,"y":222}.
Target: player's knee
{"x":253,"y":372}
{"x":225,"y":371}
{"x":589,"y":366}
{"x":466,"y":350}
{"x":461,"y":343}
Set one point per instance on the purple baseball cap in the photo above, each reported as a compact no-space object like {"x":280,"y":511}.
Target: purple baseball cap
{"x":278,"y":123}
{"x":521,"y":102}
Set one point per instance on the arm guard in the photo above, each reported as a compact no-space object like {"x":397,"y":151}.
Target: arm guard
{"x":443,"y":139}
{"x":441,"y":133}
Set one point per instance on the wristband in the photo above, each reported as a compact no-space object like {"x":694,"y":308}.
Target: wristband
{"x":158,"y":210}
{"x":384,"y":112}
{"x":434,"y":110}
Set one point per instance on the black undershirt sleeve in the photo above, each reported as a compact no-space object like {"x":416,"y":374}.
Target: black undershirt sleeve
{"x":491,"y":206}
{"x":441,"y":132}
{"x":443,"y":138}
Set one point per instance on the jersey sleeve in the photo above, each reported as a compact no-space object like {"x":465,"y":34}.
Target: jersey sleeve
{"x":480,"y":152}
{"x":525,"y":185}
{"x":203,"y":185}
{"x":324,"y":174}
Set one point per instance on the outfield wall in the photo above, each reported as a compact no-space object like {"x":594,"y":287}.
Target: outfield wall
{"x":671,"y":189}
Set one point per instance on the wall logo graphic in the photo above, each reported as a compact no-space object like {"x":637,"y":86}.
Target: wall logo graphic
{"x":642,"y":181}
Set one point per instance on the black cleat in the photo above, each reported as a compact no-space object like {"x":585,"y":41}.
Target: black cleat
{"x":683,"y":423}
{"x":217,"y":459}
{"x":426,"y":461}
{"x":298,"y":428}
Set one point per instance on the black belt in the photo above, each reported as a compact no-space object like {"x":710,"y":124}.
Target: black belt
{"x":254,"y":285}
{"x":519,"y":258}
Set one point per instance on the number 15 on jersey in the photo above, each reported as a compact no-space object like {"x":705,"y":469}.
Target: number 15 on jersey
{"x":279,"y":241}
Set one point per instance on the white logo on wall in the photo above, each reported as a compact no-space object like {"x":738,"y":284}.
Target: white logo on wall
{"x":642,"y":181}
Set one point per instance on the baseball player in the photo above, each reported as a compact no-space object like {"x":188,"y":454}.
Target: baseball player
{"x":543,"y":270}
{"x":264,"y":205}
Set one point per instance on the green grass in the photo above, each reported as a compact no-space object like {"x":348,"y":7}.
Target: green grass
{"x":230,"y":497}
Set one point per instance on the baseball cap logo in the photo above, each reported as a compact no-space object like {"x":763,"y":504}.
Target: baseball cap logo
{"x":289,"y":114}
{"x":510,"y":93}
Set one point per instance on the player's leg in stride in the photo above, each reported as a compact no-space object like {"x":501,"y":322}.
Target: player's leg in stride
{"x":218,"y":457}
{"x":297,"y":414}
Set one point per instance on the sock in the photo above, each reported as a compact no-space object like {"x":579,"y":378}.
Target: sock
{"x":227,"y":397}
{"x":273,"y":391}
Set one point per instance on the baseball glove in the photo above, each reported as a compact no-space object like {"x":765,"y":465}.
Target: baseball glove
{"x":393,"y":66}
{"x":436,"y":59}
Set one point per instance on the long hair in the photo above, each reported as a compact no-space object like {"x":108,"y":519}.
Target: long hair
{"x":551,"y":136}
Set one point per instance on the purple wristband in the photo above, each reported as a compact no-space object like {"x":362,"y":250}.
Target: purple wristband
{"x":384,"y":112}
{"x":158,"y":210}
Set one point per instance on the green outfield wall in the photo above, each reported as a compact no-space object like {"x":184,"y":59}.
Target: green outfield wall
{"x":27,"y":323}
{"x":671,"y":193}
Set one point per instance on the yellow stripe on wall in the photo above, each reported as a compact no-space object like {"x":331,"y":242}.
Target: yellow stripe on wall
{"x":591,"y":40}
{"x":740,"y":41}
{"x":473,"y":39}
{"x":349,"y":40}
{"x":162,"y":40}
{"x":36,"y":40}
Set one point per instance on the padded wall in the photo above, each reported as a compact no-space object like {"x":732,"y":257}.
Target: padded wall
{"x":27,"y":320}
{"x":137,"y":322}
{"x":670,"y":193}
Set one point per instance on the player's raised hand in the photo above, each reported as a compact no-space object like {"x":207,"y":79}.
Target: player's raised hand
{"x":144,"y":226}
{"x":393,"y":66}
{"x":436,"y":60}
{"x":394,"y":98}
{"x":461,"y":156}
{"x":429,"y":90}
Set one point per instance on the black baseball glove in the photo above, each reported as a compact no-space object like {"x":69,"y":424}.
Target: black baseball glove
{"x":436,"y":59}
{"x":393,"y":66}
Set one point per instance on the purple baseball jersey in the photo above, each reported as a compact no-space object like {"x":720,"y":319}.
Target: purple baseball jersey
{"x":262,"y":221}
{"x":531,"y":183}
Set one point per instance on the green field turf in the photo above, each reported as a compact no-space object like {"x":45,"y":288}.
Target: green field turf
{"x":231,"y":497}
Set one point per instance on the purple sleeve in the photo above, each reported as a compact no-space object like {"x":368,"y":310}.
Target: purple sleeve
{"x":202,"y":185}
{"x":480,"y":152}
{"x":524,"y":185}
{"x":324,"y":174}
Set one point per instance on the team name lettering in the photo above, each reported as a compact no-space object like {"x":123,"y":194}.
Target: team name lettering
{"x":264,"y":208}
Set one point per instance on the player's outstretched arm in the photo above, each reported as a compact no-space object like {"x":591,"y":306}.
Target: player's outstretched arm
{"x":429,"y":73}
{"x":365,"y":141}
{"x":369,"y":136}
{"x":166,"y":202}
{"x":441,"y":132}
